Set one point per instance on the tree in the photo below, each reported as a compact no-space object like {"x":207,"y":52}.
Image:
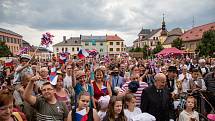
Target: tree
{"x":158,"y":48}
{"x":207,"y":45}
{"x":177,"y":43}
{"x":4,"y":50}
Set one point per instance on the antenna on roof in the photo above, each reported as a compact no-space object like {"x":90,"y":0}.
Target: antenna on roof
{"x":193,"y":22}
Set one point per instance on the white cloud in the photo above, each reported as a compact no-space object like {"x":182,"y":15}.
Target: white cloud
{"x":31,"y":18}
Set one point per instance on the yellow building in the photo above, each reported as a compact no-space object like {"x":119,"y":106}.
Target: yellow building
{"x":11,"y":39}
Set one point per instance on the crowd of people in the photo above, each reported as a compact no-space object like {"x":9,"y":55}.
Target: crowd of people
{"x":101,"y":89}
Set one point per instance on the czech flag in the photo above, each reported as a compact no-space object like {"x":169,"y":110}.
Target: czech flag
{"x":104,"y":89}
{"x":63,"y":57}
{"x":81,"y":115}
{"x":82,"y":53}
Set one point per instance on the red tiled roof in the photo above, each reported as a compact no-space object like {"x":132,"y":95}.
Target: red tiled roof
{"x":197,"y":32}
{"x":113,"y":38}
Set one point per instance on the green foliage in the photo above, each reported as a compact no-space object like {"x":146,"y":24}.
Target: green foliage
{"x":158,"y":48}
{"x":207,"y":45}
{"x":138,"y":49}
{"x":177,"y":43}
{"x":4,"y":50}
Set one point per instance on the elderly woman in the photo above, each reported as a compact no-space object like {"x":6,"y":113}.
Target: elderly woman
{"x":82,"y":85}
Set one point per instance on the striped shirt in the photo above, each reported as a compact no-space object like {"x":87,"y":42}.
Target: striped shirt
{"x":143,"y":85}
{"x":50,"y":112}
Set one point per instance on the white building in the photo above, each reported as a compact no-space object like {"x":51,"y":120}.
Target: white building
{"x":71,"y":45}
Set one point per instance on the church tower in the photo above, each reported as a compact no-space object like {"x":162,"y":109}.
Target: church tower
{"x":163,"y":33}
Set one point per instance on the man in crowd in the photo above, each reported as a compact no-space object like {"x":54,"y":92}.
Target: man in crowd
{"x":210,"y":84}
{"x":47,"y":106}
{"x":156,"y":101}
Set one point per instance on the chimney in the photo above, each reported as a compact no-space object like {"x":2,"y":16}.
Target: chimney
{"x":64,"y":38}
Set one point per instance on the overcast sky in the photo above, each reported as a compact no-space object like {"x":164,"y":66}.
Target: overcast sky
{"x":31,"y":18}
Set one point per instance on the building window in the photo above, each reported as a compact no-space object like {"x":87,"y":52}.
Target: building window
{"x":101,"y":43}
{"x":15,"y":40}
{"x":62,"y":49}
{"x":151,"y":43}
{"x":156,"y":38}
{"x":111,"y":49}
{"x":153,"y":38}
{"x":66,"y":49}
{"x":111,"y":43}
{"x":117,"y":43}
{"x":73,"y":49}
{"x":94,"y":43}
{"x":57,"y":49}
{"x":122,"y":49}
{"x":1,"y":38}
{"x":8,"y":40}
{"x":86,"y":43}
{"x":122,"y":44}
{"x":117,"y":49}
{"x":101,"y":50}
{"x":78,"y":49}
{"x":4,"y":39}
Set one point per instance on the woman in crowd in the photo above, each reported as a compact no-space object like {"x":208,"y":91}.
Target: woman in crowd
{"x":61,"y":93}
{"x":81,"y":85}
{"x":100,"y":86}
{"x":6,"y":108}
{"x":83,"y":112}
{"x":115,"y":110}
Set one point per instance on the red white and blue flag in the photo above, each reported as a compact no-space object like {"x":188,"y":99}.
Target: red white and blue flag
{"x":104,"y":89}
{"x":53,"y":73}
{"x":81,"y":115}
{"x":83,"y":54}
{"x":63,"y":57}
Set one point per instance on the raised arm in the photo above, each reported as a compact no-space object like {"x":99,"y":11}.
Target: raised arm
{"x":28,"y":91}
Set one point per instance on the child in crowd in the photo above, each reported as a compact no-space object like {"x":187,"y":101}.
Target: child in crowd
{"x":83,"y":112}
{"x":189,"y":114}
{"x":130,"y":107}
{"x":103,"y":106}
{"x":115,"y":110}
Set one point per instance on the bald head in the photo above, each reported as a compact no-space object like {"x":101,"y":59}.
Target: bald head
{"x":160,"y":81}
{"x":160,"y":76}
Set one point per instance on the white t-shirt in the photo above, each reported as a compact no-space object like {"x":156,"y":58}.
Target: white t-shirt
{"x":185,"y":116}
{"x":101,"y":115}
{"x":67,"y":81}
{"x":129,"y":114}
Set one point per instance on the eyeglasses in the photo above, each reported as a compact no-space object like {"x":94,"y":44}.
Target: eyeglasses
{"x":136,"y":78}
{"x":48,"y":89}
